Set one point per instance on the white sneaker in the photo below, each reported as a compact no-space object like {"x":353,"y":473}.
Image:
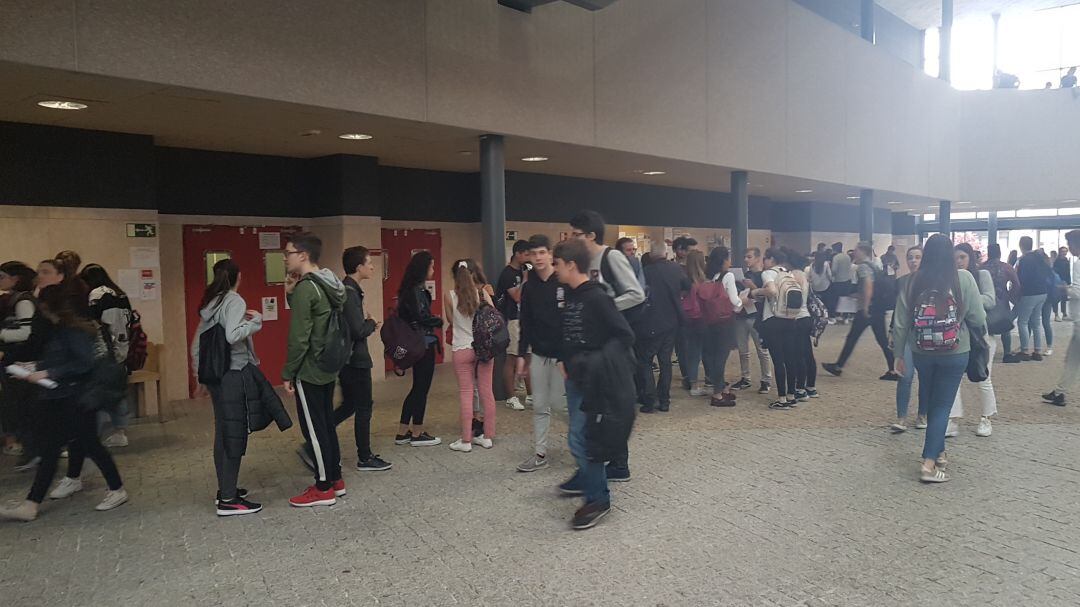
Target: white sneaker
{"x":483,"y":441}
{"x":116,"y":439}
{"x":460,"y":445}
{"x":64,"y":453}
{"x":515,"y":404}
{"x":1048,"y":352}
{"x":700,"y":392}
{"x":920,"y":423}
{"x":1057,"y":318}
{"x":66,"y":488}
{"x":985,"y":428}
{"x":112,"y":500}
{"x":952,"y":430}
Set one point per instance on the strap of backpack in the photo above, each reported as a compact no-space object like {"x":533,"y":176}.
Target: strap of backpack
{"x":605,"y":270}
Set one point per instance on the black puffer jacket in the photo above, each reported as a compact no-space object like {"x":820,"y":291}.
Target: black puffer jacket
{"x":248,"y":403}
{"x":606,"y":378}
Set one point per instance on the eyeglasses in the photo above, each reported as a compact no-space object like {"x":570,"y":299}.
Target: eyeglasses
{"x":288,"y":253}
{"x":577,"y":234}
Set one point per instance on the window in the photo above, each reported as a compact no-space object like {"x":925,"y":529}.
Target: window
{"x":1036,"y":213}
{"x":929,"y":217}
{"x":274,"y":263}
{"x":1069,"y":211}
{"x":965,"y":215}
{"x":1006,"y":214}
{"x":983,"y":215}
{"x":212,"y":257}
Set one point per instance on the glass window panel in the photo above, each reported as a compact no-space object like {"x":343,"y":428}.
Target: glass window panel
{"x":1036,"y":213}
{"x":212,"y":257}
{"x":983,"y":215}
{"x":275,"y":267}
{"x":1069,"y":211}
{"x":1006,"y":214}
{"x":966,"y":215}
{"x":929,"y":217}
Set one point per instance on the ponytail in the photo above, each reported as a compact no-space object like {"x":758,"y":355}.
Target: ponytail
{"x":467,"y":286}
{"x":226,"y":273}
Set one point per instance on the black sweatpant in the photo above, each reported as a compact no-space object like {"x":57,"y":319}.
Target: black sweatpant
{"x":805,"y":347}
{"x":876,"y":321}
{"x":356,"y":398}
{"x":659,"y":347}
{"x":415,"y":405}
{"x":315,"y":410}
{"x":781,"y":339}
{"x":17,"y":400}
{"x":60,"y":422}
{"x":226,"y":468}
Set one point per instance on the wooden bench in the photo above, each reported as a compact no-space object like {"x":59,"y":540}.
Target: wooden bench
{"x":147,"y":382}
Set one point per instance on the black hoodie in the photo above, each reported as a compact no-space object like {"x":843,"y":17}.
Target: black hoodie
{"x":541,"y":323}
{"x":590,"y":320}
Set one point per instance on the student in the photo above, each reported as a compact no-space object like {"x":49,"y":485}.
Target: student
{"x":667,"y":282}
{"x":693,"y":332}
{"x":871,"y":314}
{"x":903,"y":387}
{"x":222,"y":305}
{"x":889,"y":263}
{"x":109,"y":305}
{"x":628,"y":247}
{"x":1013,"y":257}
{"x":821,"y":282}
{"x":967,"y":259}
{"x":944,"y":302}
{"x":682,"y":247}
{"x":1062,"y":267}
{"x":806,"y":369}
{"x":615,"y":275}
{"x":17,"y":281}
{"x":782,"y":290}
{"x":1006,"y":289}
{"x":1034,"y":275}
{"x":460,"y":306}
{"x":746,"y":322}
{"x":414,"y":307}
{"x":313,"y":292}
{"x":719,"y":339}
{"x":842,"y":275}
{"x":68,"y":360}
{"x":599,"y":365}
{"x":507,"y":298}
{"x":1053,"y":296}
{"x":541,"y":338}
{"x":1071,"y":373}
{"x":355,"y":376}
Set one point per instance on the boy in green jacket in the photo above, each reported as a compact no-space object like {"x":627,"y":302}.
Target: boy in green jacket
{"x":312,"y":293}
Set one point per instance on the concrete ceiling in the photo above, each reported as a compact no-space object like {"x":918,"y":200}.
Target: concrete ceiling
{"x":179,"y":117}
{"x":925,"y":14}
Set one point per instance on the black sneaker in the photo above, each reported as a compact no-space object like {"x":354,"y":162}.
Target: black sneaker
{"x":572,"y":486}
{"x":812,"y":392}
{"x":647,"y":409}
{"x":832,"y":368}
{"x":425,"y":440}
{"x":619,"y":474}
{"x":781,"y":404}
{"x":240,"y":493}
{"x":1055,"y":398}
{"x":708,"y":383}
{"x":1023,"y":356}
{"x":237,"y":507}
{"x":742,"y":384}
{"x":1036,"y":356}
{"x":764,"y":388}
{"x":1011,"y":358}
{"x":589,"y":515}
{"x":403,"y":439}
{"x":725,"y":399}
{"x":802,"y":396}
{"x":890,"y":376}
{"x":663,"y":407}
{"x":373,"y":464}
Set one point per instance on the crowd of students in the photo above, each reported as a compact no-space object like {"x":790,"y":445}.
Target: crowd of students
{"x":575,"y":321}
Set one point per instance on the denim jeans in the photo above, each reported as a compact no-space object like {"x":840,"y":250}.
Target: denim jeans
{"x":591,"y":475}
{"x":1029,"y":321}
{"x":690,"y":357}
{"x":939,"y":378}
{"x":903,"y":387}
{"x":1048,"y":329}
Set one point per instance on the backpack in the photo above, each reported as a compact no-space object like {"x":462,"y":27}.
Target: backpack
{"x":402,"y":345}
{"x":716,"y":308}
{"x":635,"y":315}
{"x":215,"y":355}
{"x":936,"y":322}
{"x":819,"y":316}
{"x":338,"y":347}
{"x":490,"y":333}
{"x":885,"y":289}
{"x":107,"y":383}
{"x":691,"y":305}
{"x":137,"y":343}
{"x":790,"y":297}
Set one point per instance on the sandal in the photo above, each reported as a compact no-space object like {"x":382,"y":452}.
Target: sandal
{"x":936,"y":475}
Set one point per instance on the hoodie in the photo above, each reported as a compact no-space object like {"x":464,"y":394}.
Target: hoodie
{"x":311,"y":301}
{"x":229,"y":312}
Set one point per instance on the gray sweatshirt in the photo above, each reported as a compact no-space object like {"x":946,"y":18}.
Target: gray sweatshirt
{"x":628,"y":293}
{"x":229,"y":312}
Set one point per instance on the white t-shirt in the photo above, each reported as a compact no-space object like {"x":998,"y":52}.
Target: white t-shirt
{"x":821,"y":282}
{"x":462,"y":325}
{"x":731,"y":289}
{"x":770,"y":305}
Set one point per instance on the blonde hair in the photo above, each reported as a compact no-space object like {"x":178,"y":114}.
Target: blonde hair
{"x":695,"y":266}
{"x":467,"y":285}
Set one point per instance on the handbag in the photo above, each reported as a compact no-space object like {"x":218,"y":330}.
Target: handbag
{"x":978,"y":367}
{"x":999,"y":320}
{"x":215,"y":355}
{"x":107,"y":383}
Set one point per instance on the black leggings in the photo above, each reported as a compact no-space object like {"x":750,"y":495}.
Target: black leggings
{"x":356,"y":398}
{"x":875,"y":321}
{"x":412,"y":410}
{"x":781,"y":339}
{"x":805,"y":347}
{"x":60,"y":422}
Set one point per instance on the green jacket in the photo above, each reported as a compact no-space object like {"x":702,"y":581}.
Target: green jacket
{"x":974,"y":313}
{"x":311,"y":301}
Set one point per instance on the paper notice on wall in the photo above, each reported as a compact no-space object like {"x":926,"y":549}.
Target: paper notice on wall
{"x":130,"y":281}
{"x":150,"y":290}
{"x":269,"y":308}
{"x":270,"y":240}
{"x":430,"y":286}
{"x":144,"y":257}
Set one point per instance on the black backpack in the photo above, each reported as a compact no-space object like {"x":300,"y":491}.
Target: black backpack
{"x":338,"y":348}
{"x":403,"y":345}
{"x":885,"y":289}
{"x":215,"y":355}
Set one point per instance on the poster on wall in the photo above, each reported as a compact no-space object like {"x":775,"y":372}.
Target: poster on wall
{"x":144,"y":257}
{"x":269,"y":240}
{"x":269,"y":308}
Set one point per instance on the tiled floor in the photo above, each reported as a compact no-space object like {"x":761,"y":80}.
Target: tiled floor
{"x":743,"y":506}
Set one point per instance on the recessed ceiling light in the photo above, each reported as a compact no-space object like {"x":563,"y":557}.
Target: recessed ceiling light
{"x":895,"y":202}
{"x":803,"y":191}
{"x":534,"y":158}
{"x":1069,"y":200}
{"x":654,"y":172}
{"x":963,"y":202}
{"x":355,"y":136}
{"x":852,"y":197}
{"x":54,"y":104}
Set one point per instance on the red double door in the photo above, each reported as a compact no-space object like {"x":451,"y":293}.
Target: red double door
{"x":259,"y":251}
{"x":398,"y":247}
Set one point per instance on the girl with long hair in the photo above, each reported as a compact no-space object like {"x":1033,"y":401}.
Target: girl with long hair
{"x":806,"y":364}
{"x":693,"y":332}
{"x":967,"y":260}
{"x":821,"y":280}
{"x":68,"y":362}
{"x":109,"y":305}
{"x":222,"y":305}
{"x":414,"y":307}
{"x":779,"y":324}
{"x":460,"y":307}
{"x":945,"y":303}
{"x":903,"y":385}
{"x":719,"y":339}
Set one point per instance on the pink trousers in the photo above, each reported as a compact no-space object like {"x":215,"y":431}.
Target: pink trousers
{"x":472,"y":375}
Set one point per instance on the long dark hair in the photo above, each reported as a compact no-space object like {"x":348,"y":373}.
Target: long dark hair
{"x":416,"y":272}
{"x":819,"y":261}
{"x":22,"y":273}
{"x":95,"y":276}
{"x":69,"y":310}
{"x":226,"y":273}
{"x":715,"y":263}
{"x":973,"y":259}
{"x":937,"y":273}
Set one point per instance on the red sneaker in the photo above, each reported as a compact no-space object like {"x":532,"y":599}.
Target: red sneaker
{"x":313,"y":497}
{"x":339,"y":487}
